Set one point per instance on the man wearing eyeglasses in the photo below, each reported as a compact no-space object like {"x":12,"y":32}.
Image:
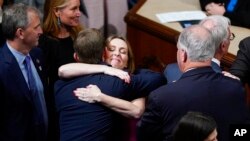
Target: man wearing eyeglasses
{"x":219,"y":26}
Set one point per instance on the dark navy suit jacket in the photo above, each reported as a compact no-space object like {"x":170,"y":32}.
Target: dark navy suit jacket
{"x":16,"y":104}
{"x":200,"y":90}
{"x":241,"y":65}
{"x":173,"y":73}
{"x":82,"y":121}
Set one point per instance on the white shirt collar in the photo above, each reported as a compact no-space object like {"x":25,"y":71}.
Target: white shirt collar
{"x":216,"y":61}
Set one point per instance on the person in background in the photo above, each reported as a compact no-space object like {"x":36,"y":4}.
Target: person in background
{"x":199,"y":89}
{"x":220,"y":29}
{"x":195,"y":126}
{"x":238,"y":11}
{"x":1,"y":11}
{"x":22,"y":89}
{"x":94,"y":121}
{"x":118,"y":54}
{"x":60,"y":28}
{"x":241,"y":65}
{"x":131,"y":3}
{"x":106,"y":15}
{"x":35,"y":3}
{"x":2,"y":40}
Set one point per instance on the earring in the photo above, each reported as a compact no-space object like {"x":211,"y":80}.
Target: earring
{"x":59,"y":21}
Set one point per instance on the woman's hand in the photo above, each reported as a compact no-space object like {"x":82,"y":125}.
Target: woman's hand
{"x":118,"y":73}
{"x":90,"y":94}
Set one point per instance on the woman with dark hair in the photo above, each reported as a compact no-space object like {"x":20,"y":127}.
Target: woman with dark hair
{"x":195,"y":126}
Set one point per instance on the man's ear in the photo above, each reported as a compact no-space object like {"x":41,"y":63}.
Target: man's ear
{"x":224,"y":46}
{"x":183,"y":55}
{"x":103,"y":56}
{"x":76,"y":57}
{"x":19,"y":33}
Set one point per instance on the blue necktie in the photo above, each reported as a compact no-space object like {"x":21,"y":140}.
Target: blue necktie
{"x":231,"y":5}
{"x":31,"y":79}
{"x":38,"y":103}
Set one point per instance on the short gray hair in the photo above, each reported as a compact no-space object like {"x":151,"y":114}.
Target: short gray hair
{"x":197,"y":41}
{"x":16,"y":16}
{"x":219,"y":27}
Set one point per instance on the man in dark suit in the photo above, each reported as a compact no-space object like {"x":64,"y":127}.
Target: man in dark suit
{"x":199,"y":89}
{"x":24,"y":114}
{"x":241,"y":65}
{"x":220,"y":29}
{"x":82,"y":121}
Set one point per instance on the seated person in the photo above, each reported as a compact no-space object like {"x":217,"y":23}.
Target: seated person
{"x":238,"y":11}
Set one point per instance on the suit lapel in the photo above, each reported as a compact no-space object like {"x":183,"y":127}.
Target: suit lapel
{"x":15,"y":73}
{"x":37,"y":64}
{"x":37,"y":58}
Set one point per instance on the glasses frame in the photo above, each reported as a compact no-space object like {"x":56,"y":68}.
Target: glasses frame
{"x":232,"y":36}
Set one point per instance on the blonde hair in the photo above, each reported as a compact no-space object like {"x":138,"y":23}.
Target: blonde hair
{"x":50,"y":26}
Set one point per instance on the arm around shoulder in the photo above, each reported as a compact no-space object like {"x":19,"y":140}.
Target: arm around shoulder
{"x":78,"y":69}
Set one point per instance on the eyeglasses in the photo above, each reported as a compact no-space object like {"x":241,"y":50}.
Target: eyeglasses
{"x":232,"y":36}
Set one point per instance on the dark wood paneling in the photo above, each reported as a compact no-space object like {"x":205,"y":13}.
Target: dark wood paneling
{"x":154,"y":44}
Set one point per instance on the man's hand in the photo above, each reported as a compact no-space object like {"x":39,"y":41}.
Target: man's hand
{"x":228,"y":74}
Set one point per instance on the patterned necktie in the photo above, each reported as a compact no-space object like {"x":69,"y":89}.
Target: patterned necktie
{"x":39,"y":110}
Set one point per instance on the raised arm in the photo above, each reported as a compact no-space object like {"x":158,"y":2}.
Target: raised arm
{"x":77,"y":69}
{"x":93,"y":94}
